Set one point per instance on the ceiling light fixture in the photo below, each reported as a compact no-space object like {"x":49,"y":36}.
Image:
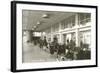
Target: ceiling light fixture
{"x":34,"y":26}
{"x":45,"y":15}
{"x":38,"y":23}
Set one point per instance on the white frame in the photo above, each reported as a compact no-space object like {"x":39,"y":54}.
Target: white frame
{"x":53,"y":7}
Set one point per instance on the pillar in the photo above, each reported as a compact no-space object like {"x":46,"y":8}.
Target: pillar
{"x":59,"y":27}
{"x":77,"y":30}
{"x":60,"y":34}
{"x":77,"y":37}
{"x":60,"y":38}
{"x":51,"y":33}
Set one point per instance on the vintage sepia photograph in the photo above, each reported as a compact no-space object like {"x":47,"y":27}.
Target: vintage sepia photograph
{"x":55,"y":36}
{"x":48,"y":36}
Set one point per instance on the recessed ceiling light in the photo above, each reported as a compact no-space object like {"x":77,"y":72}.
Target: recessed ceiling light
{"x":45,"y":15}
{"x":38,"y":23}
{"x":34,"y":26}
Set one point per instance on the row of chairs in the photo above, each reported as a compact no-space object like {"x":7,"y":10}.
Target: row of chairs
{"x":66,"y":52}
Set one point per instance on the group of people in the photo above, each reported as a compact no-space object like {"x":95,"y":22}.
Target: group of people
{"x":64,"y":51}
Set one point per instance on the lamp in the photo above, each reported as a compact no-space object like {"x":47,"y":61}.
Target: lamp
{"x":45,"y":15}
{"x":38,"y":23}
{"x":34,"y":26}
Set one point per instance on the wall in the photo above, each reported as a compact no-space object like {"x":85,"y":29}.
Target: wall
{"x":5,"y":36}
{"x":69,"y":31}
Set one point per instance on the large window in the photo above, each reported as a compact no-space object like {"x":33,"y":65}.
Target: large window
{"x":69,"y":22}
{"x":55,"y":27}
{"x":85,"y":37}
{"x":84,"y":18}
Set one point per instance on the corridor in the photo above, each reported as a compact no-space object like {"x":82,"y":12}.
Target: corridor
{"x":32,"y":53}
{"x":68,"y":35}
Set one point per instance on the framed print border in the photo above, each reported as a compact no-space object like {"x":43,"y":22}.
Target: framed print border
{"x":14,"y":35}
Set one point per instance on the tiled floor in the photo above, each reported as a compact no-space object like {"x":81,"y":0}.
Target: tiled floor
{"x":32,"y":53}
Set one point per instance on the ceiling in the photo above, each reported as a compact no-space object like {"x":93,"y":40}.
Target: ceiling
{"x":31,"y":17}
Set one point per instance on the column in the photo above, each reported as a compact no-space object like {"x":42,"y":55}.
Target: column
{"x":51,"y":33}
{"x":77,"y":31}
{"x":60,"y":38}
{"x":42,"y":35}
{"x":60,"y":34}
{"x":77,"y":37}
{"x":59,"y":27}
